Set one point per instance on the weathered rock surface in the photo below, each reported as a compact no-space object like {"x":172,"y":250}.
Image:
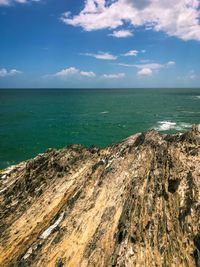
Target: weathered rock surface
{"x":136,"y":203}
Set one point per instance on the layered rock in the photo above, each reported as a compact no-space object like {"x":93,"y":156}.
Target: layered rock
{"x":136,"y":203}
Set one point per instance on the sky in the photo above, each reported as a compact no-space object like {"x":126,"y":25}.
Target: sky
{"x":99,"y":43}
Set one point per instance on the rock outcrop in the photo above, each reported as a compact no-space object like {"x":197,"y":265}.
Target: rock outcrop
{"x":136,"y":203}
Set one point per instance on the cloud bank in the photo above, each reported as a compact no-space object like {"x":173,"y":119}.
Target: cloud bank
{"x":178,"y":18}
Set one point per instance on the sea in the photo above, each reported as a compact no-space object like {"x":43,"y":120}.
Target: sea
{"x":33,"y":120}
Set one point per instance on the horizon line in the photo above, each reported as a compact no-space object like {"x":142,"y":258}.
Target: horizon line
{"x":92,"y":88}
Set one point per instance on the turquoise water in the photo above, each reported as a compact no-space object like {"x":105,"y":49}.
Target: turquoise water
{"x":33,"y":120}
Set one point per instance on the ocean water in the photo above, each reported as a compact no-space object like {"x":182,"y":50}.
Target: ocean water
{"x":33,"y":120}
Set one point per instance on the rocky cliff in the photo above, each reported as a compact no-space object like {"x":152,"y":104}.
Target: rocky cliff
{"x":136,"y":203}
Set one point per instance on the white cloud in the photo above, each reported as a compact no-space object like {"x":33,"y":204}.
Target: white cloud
{"x":178,"y":18}
{"x":131,"y":53}
{"x":101,"y":55}
{"x":149,"y":68}
{"x":68,"y":72}
{"x":121,"y":34}
{"x":191,"y":75}
{"x":10,"y":2}
{"x":87,"y":74}
{"x":6,"y":73}
{"x":152,"y":66}
{"x":171,"y":63}
{"x":114,"y":76}
{"x":4,"y":2}
{"x":145,"y":72}
{"x":126,"y":65}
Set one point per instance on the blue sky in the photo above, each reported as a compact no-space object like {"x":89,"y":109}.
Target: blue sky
{"x":99,"y":43}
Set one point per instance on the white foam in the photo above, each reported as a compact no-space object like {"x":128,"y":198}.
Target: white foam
{"x":198,"y":96}
{"x":185,"y":125}
{"x":169,"y":125}
{"x":166,"y":125}
{"x":104,"y":112}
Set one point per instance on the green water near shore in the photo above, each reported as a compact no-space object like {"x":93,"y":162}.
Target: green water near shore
{"x":33,"y":120}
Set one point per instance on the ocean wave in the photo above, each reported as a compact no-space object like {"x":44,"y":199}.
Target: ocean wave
{"x":165,"y":125}
{"x":104,"y":112}
{"x":169,"y":125}
{"x":197,"y":96}
{"x":190,"y":112}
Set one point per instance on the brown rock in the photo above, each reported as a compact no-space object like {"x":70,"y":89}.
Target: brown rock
{"x":136,"y":203}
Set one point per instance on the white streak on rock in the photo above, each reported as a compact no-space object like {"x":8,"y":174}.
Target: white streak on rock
{"x":49,"y":230}
{"x":28,"y":253}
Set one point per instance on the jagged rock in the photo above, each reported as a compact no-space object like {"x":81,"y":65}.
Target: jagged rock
{"x":136,"y":203}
